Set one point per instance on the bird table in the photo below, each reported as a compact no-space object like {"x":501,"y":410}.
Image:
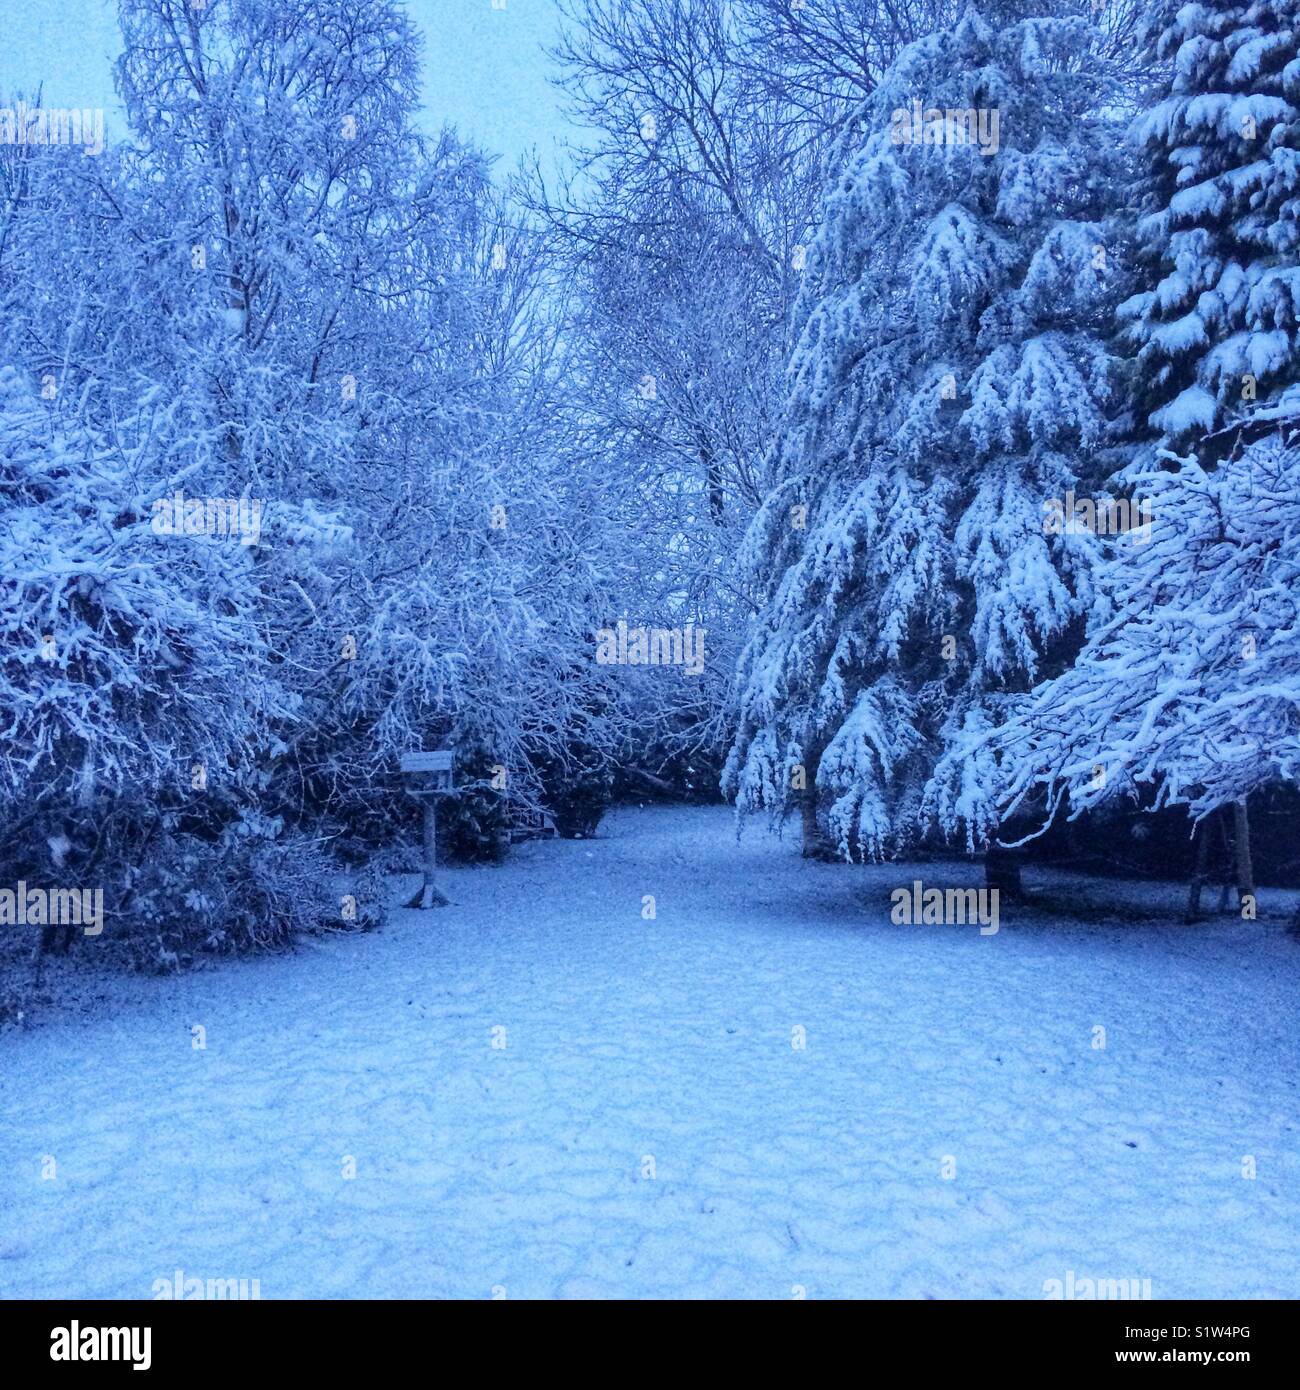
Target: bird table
{"x":429,"y":775}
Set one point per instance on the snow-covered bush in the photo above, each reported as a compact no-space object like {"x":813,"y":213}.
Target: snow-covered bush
{"x":252,"y":888}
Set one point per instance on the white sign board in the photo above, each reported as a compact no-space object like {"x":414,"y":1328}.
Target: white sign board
{"x":426,"y":762}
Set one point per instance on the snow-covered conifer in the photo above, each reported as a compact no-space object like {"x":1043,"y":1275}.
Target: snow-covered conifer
{"x":1216,"y":325}
{"x":951,"y":378}
{"x":1189,"y":685}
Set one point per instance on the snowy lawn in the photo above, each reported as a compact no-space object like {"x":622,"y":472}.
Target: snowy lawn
{"x":649,"y":1126}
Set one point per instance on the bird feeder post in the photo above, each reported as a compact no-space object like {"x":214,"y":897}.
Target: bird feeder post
{"x":429,"y":775}
{"x":429,"y":894}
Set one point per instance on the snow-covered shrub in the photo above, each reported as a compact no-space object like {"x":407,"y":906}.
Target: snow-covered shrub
{"x":252,"y":888}
{"x":578,"y":791}
{"x":473,"y":824}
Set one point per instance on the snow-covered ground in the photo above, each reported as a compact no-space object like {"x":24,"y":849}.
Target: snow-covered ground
{"x":546,"y":1094}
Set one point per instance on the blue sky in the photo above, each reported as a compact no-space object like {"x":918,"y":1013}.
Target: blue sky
{"x":485,"y":71}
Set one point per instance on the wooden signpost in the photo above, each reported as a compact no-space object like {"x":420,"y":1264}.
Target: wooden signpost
{"x":429,"y":775}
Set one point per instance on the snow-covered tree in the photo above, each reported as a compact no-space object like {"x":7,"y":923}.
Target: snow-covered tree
{"x":361,"y":342}
{"x":118,"y":651}
{"x":951,"y":378}
{"x":1216,"y":327}
{"x":677,"y":245}
{"x":1185,"y":693}
{"x":278,"y":295}
{"x":128,"y":658}
{"x":1189,"y":684}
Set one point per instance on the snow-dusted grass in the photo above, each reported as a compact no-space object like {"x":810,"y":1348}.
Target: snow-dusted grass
{"x":524,"y":1167}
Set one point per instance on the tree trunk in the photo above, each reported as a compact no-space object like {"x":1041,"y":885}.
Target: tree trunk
{"x":1202,"y":836}
{"x":814,"y":843}
{"x":1241,"y":848}
{"x":1225,"y":862}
